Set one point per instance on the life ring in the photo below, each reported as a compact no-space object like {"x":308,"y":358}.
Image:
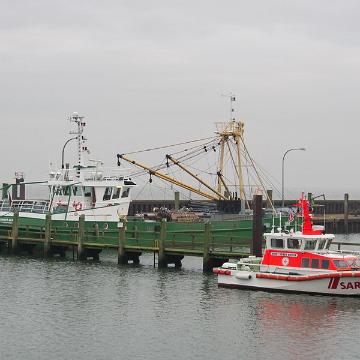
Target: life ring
{"x":77,"y":206}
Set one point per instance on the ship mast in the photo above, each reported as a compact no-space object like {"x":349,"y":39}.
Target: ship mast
{"x":227,"y":131}
{"x":81,"y":140}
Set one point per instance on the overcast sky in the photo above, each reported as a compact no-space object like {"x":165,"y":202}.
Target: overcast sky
{"x":149,"y":73}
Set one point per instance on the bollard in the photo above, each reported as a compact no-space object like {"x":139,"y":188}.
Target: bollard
{"x":177,"y":200}
{"x":122,"y":259}
{"x":256,"y":246}
{"x":15,"y":232}
{"x":207,"y":264}
{"x":47,"y":240}
{"x":346,"y":213}
{"x":162,"y":263}
{"x":81,"y":236}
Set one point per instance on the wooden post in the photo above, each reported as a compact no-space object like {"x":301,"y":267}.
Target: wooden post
{"x":122,"y":259}
{"x":256,"y":248}
{"x":15,"y":232}
{"x":207,"y":264}
{"x":162,"y":263}
{"x":81,"y":236}
{"x":177,"y":200}
{"x":346,"y":213}
{"x":47,"y":240}
{"x":269,"y":199}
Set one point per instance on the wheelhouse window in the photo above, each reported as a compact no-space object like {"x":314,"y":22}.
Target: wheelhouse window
{"x":125,"y":193}
{"x":77,"y":191}
{"x":310,"y":245}
{"x":325,"y":264}
{"x":277,"y":243}
{"x":321,"y":244}
{"x":341,"y":264}
{"x":107,"y":193}
{"x":293,"y":243}
{"x":315,"y":263}
{"x":87,"y":191}
{"x":116,"y":193}
{"x":305,"y":262}
{"x":66,"y":190}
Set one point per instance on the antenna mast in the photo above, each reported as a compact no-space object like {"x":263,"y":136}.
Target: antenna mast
{"x":81,"y":140}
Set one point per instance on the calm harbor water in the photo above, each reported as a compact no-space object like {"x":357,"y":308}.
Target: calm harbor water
{"x":64,"y":309}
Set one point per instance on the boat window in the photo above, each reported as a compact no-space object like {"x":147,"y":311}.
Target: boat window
{"x":125,"y":193}
{"x":325,"y":264}
{"x":293,"y":243}
{"x":310,"y":245}
{"x":327,"y":247}
{"x":58,"y":190}
{"x":277,"y":243}
{"x":314,"y":263}
{"x":116,"y":193}
{"x":321,"y":244}
{"x":77,"y":191}
{"x":87,"y":191}
{"x":107,"y":194}
{"x":305,"y":262}
{"x":341,"y":264}
{"x":66,"y":190}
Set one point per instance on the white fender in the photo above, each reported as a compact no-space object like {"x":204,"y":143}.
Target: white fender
{"x":243,"y":275}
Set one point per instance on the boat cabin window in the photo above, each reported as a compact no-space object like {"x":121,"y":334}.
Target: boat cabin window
{"x":277,"y":243}
{"x":325,"y":264}
{"x":87,"y":191}
{"x":321,"y":244}
{"x":57,"y":190}
{"x":293,"y":243}
{"x":125,"y":193}
{"x":327,"y":247}
{"x":310,"y":245}
{"x":314,"y":263}
{"x":116,"y":193}
{"x":66,"y":190}
{"x":305,"y":262}
{"x":340,"y":264}
{"x":107,"y":193}
{"x":77,"y":190}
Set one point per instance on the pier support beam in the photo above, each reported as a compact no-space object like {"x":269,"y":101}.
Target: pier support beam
{"x":81,"y":236}
{"x":346,"y":213}
{"x":15,"y":232}
{"x":47,"y":240}
{"x":256,"y":246}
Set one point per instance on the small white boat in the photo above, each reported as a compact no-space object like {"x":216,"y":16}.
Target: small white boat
{"x":296,"y":261}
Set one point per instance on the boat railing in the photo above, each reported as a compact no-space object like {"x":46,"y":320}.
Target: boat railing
{"x":89,"y":174}
{"x":33,"y":206}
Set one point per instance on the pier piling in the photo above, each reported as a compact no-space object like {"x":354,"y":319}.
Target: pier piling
{"x":256,"y":245}
{"x":81,"y":236}
{"x":162,"y":262}
{"x":207,"y":264}
{"x":346,"y":213}
{"x":47,"y":240}
{"x":122,"y":258}
{"x":15,"y":232}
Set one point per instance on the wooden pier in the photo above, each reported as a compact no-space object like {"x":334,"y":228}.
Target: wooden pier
{"x":212,"y":241}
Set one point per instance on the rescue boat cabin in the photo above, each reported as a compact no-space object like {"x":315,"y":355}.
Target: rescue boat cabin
{"x":308,"y":249}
